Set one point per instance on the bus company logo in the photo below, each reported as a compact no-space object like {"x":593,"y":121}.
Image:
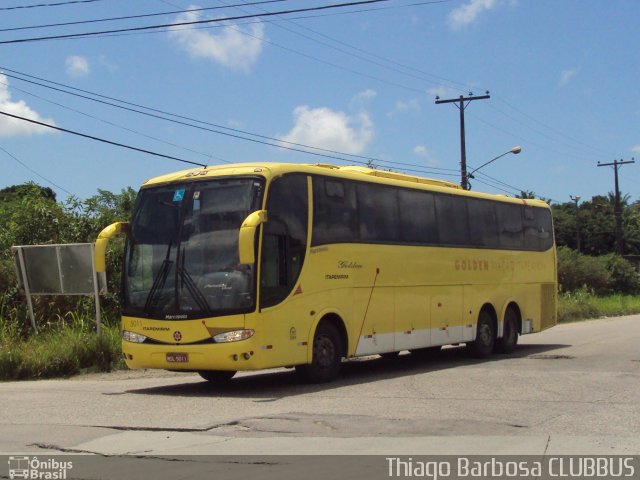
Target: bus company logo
{"x":33,"y":468}
{"x":177,"y":336}
{"x":348,"y":264}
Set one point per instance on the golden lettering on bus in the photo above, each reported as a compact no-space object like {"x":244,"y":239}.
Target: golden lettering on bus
{"x":471,"y":265}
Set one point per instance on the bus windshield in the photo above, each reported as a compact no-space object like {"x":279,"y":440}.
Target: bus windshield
{"x":181,"y":259}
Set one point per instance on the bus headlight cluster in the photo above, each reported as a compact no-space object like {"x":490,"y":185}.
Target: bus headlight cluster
{"x":233,"y":336}
{"x":133,"y":337}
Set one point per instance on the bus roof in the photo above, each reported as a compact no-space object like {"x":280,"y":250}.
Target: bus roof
{"x":351,"y":172}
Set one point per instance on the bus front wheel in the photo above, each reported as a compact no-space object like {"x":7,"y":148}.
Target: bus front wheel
{"x":326,"y":356}
{"x":217,"y":376}
{"x":483,"y":345}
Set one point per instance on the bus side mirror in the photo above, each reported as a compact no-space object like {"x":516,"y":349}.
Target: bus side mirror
{"x":100,"y":248}
{"x":247,"y":236}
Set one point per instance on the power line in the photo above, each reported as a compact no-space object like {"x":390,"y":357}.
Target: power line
{"x":66,"y":107}
{"x":98,"y":139}
{"x":159,"y":114}
{"x":365,"y":52}
{"x":131,"y":17}
{"x":36,"y":173}
{"x":57,"y":4}
{"x":194,"y":22}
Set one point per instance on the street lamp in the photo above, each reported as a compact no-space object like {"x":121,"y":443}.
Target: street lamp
{"x":515,"y":150}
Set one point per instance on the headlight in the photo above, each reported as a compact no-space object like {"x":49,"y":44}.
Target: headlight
{"x":234,"y":336}
{"x":133,"y":337}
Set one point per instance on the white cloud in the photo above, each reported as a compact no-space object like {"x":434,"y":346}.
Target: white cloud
{"x":441,"y":92}
{"x":325,"y":128}
{"x":468,"y":13}
{"x":362,"y":99}
{"x":364,"y":95}
{"x":230,"y":46}
{"x":404,"y":106}
{"x":106,"y":63}
{"x":636,"y":149}
{"x":12,"y":127}
{"x":422,"y":152}
{"x":77,"y":66}
{"x":567,"y":75}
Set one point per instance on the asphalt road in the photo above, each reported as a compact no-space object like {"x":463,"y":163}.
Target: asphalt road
{"x":574,"y":389}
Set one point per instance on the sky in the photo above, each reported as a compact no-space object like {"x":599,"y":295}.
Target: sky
{"x":357,"y":82}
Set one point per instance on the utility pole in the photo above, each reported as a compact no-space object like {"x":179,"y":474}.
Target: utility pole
{"x":575,"y":200}
{"x":617,"y":209}
{"x":463,"y":151}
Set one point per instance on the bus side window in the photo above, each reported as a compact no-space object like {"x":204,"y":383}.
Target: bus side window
{"x":335,"y":215}
{"x":538,"y":232}
{"x":453,"y":221}
{"x":284,"y":239}
{"x":510,"y":220}
{"x":417,"y":217}
{"x":483,"y":223}
{"x":378,"y":213}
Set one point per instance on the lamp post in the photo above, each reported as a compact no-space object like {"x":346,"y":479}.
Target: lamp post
{"x":515,"y":150}
{"x":575,"y":200}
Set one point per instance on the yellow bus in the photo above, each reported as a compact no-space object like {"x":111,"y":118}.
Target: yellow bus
{"x":254,"y":266}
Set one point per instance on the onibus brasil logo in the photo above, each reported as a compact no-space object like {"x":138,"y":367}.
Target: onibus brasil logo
{"x":33,"y":468}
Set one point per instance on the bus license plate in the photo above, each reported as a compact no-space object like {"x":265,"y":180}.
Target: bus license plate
{"x":177,"y":357}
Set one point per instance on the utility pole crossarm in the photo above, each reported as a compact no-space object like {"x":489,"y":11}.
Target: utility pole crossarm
{"x":464,"y":178}
{"x":463,"y":98}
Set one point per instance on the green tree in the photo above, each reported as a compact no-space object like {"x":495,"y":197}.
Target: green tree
{"x":30,"y":215}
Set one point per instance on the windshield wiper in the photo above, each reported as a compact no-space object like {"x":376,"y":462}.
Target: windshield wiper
{"x":159,"y":281}
{"x":197,"y":296}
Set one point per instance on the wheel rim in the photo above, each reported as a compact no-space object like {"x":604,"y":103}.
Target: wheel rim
{"x":485,"y":334}
{"x":325,"y":352}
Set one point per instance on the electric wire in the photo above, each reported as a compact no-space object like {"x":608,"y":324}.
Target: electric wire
{"x":107,"y":122}
{"x":103,"y":140}
{"x":452,"y":84}
{"x":377,"y":63}
{"x":133,"y":17}
{"x":57,"y":4}
{"x":193,"y":22}
{"x":160,"y":114}
{"x":36,"y":173}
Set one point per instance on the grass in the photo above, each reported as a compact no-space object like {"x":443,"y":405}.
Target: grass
{"x":582,"y":305}
{"x":60,"y":353}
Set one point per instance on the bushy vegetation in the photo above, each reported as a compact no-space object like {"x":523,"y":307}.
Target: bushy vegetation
{"x":66,"y":342}
{"x":603,"y":275}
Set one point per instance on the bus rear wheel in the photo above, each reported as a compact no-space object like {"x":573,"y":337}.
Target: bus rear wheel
{"x":507,"y":343}
{"x":482,"y":346}
{"x":326,"y":356}
{"x":217,"y":376}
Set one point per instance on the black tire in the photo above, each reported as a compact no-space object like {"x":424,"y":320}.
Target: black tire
{"x":507,"y":343}
{"x":217,"y":376}
{"x":389,"y":356}
{"x":482,"y":346}
{"x":326,"y":356}
{"x":427,"y":352}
